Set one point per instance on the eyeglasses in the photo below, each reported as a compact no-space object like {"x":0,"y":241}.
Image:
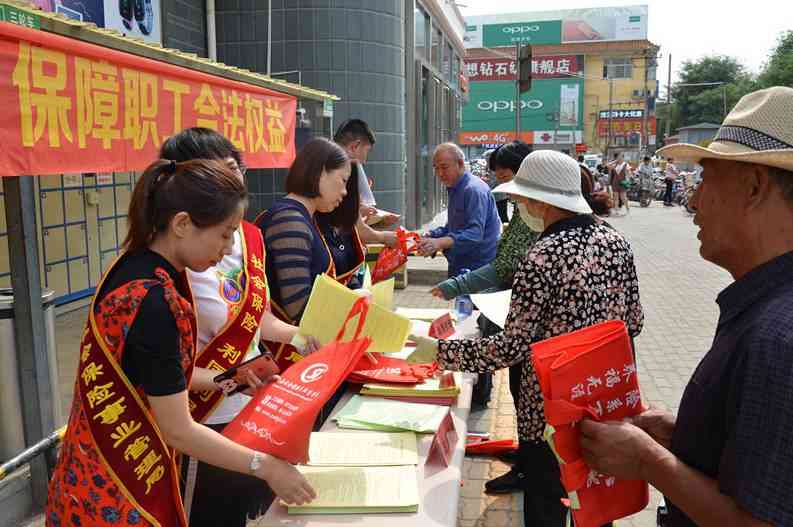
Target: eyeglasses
{"x":242,"y":168}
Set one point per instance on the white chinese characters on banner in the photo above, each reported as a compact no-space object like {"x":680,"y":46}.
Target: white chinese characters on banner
{"x":610,"y":379}
{"x":541,"y":67}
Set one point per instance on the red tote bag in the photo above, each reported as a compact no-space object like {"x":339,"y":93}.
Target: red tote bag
{"x":391,"y":370}
{"x":279,"y":418}
{"x":392,"y":258}
{"x":589,"y":373}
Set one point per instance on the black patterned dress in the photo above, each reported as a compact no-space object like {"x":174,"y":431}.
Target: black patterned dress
{"x":578,"y":273}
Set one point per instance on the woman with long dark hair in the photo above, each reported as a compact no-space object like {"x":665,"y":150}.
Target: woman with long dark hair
{"x":297,"y":251}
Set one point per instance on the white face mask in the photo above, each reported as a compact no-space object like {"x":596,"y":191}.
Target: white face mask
{"x":536,"y":224}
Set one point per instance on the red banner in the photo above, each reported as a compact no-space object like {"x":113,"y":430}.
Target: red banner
{"x":482,"y":137}
{"x":625,"y":126}
{"x":70,"y":106}
{"x":551,"y":67}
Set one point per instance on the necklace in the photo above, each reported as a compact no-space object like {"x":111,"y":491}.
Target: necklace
{"x":335,"y":236}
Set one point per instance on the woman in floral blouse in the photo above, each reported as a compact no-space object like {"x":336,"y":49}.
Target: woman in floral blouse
{"x":578,"y":273}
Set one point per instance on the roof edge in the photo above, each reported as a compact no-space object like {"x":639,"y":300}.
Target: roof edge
{"x":88,"y":32}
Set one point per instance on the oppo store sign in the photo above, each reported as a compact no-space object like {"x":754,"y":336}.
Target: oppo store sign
{"x":509,"y":105}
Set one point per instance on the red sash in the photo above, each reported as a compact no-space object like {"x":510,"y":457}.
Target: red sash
{"x":286,"y":354}
{"x":112,"y":421}
{"x":230,"y":345}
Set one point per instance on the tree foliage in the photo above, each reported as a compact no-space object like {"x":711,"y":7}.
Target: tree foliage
{"x":778,"y":71}
{"x":699,"y":104}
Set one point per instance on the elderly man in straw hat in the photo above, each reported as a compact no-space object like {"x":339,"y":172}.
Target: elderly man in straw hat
{"x":726,"y":459}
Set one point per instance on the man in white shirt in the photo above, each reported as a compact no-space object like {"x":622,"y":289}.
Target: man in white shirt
{"x":670,"y":175}
{"x":357,"y":139}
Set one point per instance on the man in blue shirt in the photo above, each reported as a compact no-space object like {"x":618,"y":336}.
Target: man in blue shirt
{"x":469,"y":238}
{"x":725,"y":458}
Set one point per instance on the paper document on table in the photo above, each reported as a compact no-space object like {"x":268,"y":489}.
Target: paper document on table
{"x":494,"y":306}
{"x":394,"y":415}
{"x":362,"y":450}
{"x":327,"y":309}
{"x":360,"y":490}
{"x":426,"y":314}
{"x":429,"y":388}
{"x":383,"y":294}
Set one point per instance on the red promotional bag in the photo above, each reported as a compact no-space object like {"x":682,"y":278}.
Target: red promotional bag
{"x":392,"y":258}
{"x":279,"y":418}
{"x":390,"y":370}
{"x":589,"y":373}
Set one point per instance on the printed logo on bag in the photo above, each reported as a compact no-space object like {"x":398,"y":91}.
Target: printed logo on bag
{"x":314,"y":373}
{"x":262,"y":432}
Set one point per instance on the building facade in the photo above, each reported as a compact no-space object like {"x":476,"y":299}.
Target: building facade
{"x":394,"y":63}
{"x":593,"y":81}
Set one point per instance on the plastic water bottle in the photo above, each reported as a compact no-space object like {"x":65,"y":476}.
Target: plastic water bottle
{"x":463,"y":306}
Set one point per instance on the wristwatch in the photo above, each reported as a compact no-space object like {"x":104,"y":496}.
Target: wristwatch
{"x":256,"y":462}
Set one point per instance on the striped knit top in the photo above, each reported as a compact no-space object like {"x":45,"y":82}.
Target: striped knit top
{"x":296,"y":254}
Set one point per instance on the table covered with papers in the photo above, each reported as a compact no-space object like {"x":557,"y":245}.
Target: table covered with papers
{"x":378,"y":472}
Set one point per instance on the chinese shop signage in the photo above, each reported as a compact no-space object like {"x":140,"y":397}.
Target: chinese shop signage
{"x":557,"y":66}
{"x":70,"y":106}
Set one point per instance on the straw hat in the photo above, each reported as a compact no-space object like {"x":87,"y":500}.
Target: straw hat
{"x":550,"y":177}
{"x":758,"y":130}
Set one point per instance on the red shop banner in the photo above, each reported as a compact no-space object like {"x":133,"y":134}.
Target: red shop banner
{"x":504,"y":69}
{"x":71,"y":106}
{"x":625,"y":126}
{"x":483,"y":137}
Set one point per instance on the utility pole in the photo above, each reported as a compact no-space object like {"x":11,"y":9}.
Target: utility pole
{"x":611,"y":102}
{"x":724,"y":101}
{"x":643,"y":137}
{"x":517,"y":94}
{"x":668,"y":99}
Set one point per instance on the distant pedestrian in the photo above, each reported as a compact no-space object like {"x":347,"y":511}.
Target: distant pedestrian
{"x":620,"y":182}
{"x":670,"y":176}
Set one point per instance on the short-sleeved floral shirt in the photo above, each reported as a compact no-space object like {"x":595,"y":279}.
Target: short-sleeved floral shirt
{"x":580,"y":272}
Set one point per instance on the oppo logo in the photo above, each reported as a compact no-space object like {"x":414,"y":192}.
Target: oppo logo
{"x":509,"y":106}
{"x":519,"y":30}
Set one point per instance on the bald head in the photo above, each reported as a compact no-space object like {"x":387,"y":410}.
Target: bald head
{"x":449,"y":163}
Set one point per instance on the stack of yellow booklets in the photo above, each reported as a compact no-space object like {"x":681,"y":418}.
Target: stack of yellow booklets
{"x":429,"y":388}
{"x":328,"y":307}
{"x":360,"y":490}
{"x":354,"y":449}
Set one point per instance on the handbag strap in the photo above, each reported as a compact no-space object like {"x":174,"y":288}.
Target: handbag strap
{"x":361,"y":308}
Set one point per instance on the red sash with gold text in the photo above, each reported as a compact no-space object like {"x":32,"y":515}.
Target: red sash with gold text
{"x":233,"y":341}
{"x":126,"y":435}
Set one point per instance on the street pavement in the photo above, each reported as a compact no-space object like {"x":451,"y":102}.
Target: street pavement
{"x":678,"y":290}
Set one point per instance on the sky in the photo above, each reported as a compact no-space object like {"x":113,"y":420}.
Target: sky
{"x":688,"y":29}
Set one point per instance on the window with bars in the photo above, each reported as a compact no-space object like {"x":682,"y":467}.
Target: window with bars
{"x":618,"y":68}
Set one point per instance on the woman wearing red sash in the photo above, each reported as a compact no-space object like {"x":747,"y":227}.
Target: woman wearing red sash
{"x":131,"y":411}
{"x":230,"y":297}
{"x":296,"y":249}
